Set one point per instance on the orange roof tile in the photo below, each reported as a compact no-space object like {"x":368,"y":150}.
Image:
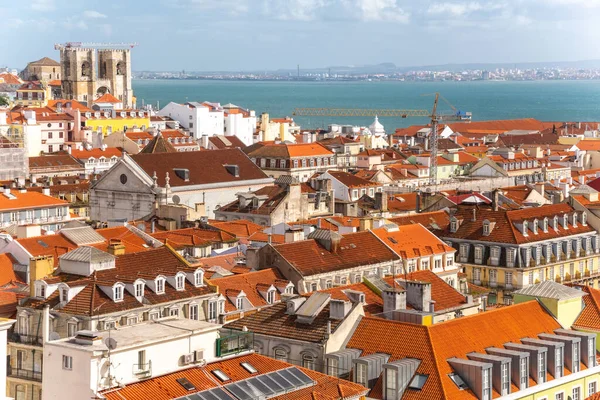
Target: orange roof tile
{"x":435,"y":344}
{"x":412,"y":241}
{"x":28,"y":200}
{"x":7,"y":273}
{"x":107,"y":98}
{"x":97,"y":153}
{"x":590,"y":316}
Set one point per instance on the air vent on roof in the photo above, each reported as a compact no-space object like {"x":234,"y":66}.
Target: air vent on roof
{"x":187,"y":385}
{"x":233,"y":170}
{"x":182,"y":173}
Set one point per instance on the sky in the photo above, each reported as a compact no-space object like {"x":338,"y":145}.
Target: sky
{"x":254,"y":35}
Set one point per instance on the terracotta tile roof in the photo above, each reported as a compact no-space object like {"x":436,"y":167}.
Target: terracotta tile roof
{"x":373,"y":302}
{"x":274,"y":321}
{"x":308,"y":257}
{"x":194,"y":237}
{"x":264,"y":238}
{"x":97,"y":153}
{"x":10,"y":79}
{"x":205,"y":167}
{"x":588,"y":145}
{"x":497,"y":126}
{"x":284,"y":150}
{"x":91,"y":300}
{"x":349,"y":180}
{"x":274,"y":194}
{"x":469,"y":198}
{"x":412,"y":241}
{"x":444,"y":295}
{"x":435,"y":220}
{"x":230,"y":142}
{"x":27,"y":200}
{"x":505,"y":230}
{"x":226,"y":261}
{"x":48,"y":245}
{"x":59,"y":161}
{"x":337,"y":141}
{"x":590,"y":315}
{"x":240,"y":228}
{"x":534,"y":138}
{"x":166,"y":387}
{"x":435,"y":344}
{"x":69,"y":104}
{"x":55,"y":82}
{"x":7,"y":273}
{"x":44,"y":62}
{"x":252,"y":283}
{"x":139,"y":135}
{"x":107,"y":98}
{"x":158,"y":144}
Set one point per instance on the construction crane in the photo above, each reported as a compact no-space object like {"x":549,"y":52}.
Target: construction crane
{"x":436,"y":118}
{"x":90,"y":45}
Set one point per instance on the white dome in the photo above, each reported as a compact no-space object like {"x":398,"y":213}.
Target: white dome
{"x":376,"y":128}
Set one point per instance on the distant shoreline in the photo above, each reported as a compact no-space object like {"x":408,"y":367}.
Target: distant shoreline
{"x":360,"y":80}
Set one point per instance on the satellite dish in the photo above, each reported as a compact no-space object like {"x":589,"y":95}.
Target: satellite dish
{"x":53,"y":336}
{"x":176,"y":199}
{"x":110,"y":343}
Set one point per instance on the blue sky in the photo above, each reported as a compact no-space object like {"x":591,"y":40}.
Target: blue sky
{"x":204,"y":35}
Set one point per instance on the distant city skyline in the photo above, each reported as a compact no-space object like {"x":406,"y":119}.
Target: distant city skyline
{"x":203,"y":35}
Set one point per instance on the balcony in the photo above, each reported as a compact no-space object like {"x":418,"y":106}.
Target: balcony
{"x":24,"y":374}
{"x":33,"y":340}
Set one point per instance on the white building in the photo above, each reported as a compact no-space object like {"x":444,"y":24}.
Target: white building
{"x":137,"y":184}
{"x":212,"y":119}
{"x":82,"y":366}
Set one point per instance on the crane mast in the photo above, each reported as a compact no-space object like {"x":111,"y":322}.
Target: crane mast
{"x":435,"y":120}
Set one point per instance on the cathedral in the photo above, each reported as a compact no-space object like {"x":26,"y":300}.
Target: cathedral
{"x":89,"y":73}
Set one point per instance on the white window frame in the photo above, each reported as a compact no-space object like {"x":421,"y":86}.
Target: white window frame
{"x":67,"y":362}
{"x":194,"y":312}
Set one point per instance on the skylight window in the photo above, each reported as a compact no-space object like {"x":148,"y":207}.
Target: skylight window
{"x":187,"y":385}
{"x":249,"y":367}
{"x":458,"y":381}
{"x":221,"y":375}
{"x":418,"y":381}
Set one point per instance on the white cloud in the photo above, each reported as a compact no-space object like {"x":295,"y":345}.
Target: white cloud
{"x":43,"y":5}
{"x":93,"y":14}
{"x":379,"y":10}
{"x":293,"y":10}
{"x":454,"y":9}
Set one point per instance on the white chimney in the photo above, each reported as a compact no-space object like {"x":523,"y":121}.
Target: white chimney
{"x":2,"y":117}
{"x":46,"y":191}
{"x":69,"y":149}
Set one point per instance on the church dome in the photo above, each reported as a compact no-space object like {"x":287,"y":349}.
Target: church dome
{"x":376,"y":128}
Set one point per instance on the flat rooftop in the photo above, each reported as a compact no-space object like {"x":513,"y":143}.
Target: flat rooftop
{"x":142,"y":334}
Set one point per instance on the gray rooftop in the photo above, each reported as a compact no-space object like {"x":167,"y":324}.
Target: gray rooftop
{"x":551,"y":290}
{"x":143,"y":334}
{"x":82,"y":235}
{"x":87,"y":254}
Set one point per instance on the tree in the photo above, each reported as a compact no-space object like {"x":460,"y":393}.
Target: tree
{"x":4,"y":101}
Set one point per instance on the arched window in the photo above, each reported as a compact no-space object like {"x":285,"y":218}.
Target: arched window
{"x":281,"y":354}
{"x":308,"y":361}
{"x":20,"y":392}
{"x":86,"y":69}
{"x":121,"y":68}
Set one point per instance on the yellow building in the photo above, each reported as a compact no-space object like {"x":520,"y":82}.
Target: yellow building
{"x":116,"y":120}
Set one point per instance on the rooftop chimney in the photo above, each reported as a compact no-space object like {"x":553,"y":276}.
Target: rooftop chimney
{"x":116,"y":247}
{"x":393,"y":299}
{"x":474,"y":217}
{"x":418,"y":295}
{"x":338,"y":309}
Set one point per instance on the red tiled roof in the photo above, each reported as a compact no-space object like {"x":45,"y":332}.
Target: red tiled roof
{"x":10,"y":79}
{"x":205,"y":167}
{"x":166,"y":387}
{"x":28,"y":200}
{"x":590,"y":315}
{"x":435,"y":220}
{"x":284,"y":150}
{"x":308,"y":257}
{"x":412,"y":241}
{"x":435,"y":344}
{"x":505,"y":231}
{"x":497,"y":126}
{"x":240,"y":228}
{"x":97,"y":153}
{"x":7,"y":273}
{"x":107,"y":98}
{"x":350,"y":180}
{"x":252,"y":283}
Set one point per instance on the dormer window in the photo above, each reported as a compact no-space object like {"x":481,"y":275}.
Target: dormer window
{"x":40,"y":290}
{"x":545,"y":225}
{"x":139,"y":289}
{"x":239,"y":302}
{"x":160,"y":285}
{"x":271,"y":296}
{"x":118,"y":292}
{"x":574,"y":220}
{"x":64,"y":295}
{"x":584,"y":219}
{"x":198,"y":278}
{"x":534,"y":226}
{"x":180,"y":282}
{"x":565,"y":222}
{"x":525,"y":228}
{"x":555,"y":223}
{"x":486,"y":227}
{"x":453,"y":225}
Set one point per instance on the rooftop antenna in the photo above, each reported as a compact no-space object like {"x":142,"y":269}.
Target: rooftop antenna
{"x":298,"y":71}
